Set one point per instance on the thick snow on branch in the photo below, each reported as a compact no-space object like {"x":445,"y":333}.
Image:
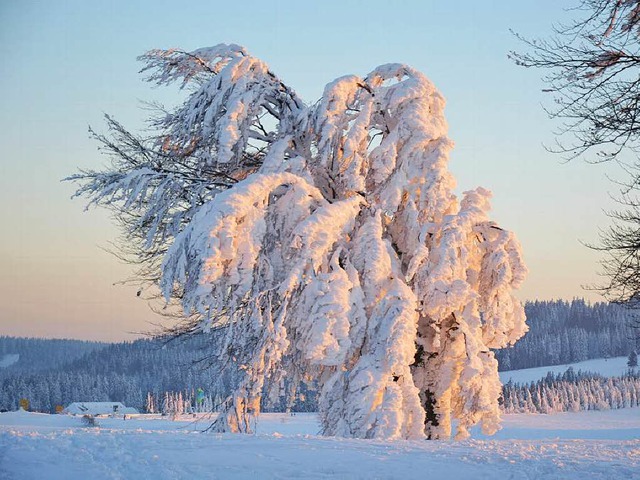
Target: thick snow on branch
{"x":329,"y":244}
{"x":379,"y":398}
{"x":168,"y":66}
{"x":216,"y":256}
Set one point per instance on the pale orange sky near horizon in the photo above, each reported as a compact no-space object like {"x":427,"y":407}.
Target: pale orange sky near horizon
{"x":66,"y":64}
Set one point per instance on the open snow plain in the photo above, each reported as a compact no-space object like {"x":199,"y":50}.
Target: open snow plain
{"x":585,"y":445}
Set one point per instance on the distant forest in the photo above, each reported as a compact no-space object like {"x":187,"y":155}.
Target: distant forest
{"x":58,"y":372}
{"x":124,"y":372}
{"x":38,"y":354}
{"x":563,"y":332}
{"x":572,"y":392}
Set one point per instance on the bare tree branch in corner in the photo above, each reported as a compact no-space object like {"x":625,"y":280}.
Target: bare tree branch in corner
{"x":593,"y":73}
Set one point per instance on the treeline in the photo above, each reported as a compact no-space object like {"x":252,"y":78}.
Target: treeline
{"x":177,"y":403}
{"x":124,"y":372}
{"x":37,"y":354}
{"x":128,"y":372}
{"x":58,"y":372}
{"x":563,"y":332}
{"x":572,"y":392}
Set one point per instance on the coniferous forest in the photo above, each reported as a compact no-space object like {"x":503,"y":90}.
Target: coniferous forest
{"x":57,"y":372}
{"x":563,"y":332}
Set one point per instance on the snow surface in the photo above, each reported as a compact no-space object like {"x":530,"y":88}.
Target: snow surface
{"x":607,"y":367}
{"x":9,"y":359}
{"x":585,"y":445}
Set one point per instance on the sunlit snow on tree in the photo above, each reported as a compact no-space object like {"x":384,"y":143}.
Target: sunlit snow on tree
{"x":325,"y":239}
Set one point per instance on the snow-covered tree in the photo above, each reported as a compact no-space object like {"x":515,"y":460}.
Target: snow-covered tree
{"x":150,"y":406}
{"x":572,"y":392}
{"x":324,"y":239}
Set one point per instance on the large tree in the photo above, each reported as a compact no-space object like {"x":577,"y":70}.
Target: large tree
{"x":324,"y":239}
{"x":593,"y":66}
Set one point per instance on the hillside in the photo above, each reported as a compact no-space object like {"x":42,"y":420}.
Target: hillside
{"x":21,"y":355}
{"x":58,"y":372}
{"x":562,"y":332}
{"x":607,"y":367}
{"x":124,"y":371}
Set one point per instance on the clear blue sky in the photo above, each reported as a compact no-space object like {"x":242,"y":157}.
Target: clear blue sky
{"x":64,"y":63}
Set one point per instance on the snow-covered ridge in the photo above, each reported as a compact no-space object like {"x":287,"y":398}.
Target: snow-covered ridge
{"x":9,"y":359}
{"x":607,"y":367}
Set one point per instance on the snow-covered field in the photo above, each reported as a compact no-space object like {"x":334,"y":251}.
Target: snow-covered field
{"x":586,"y":445}
{"x":607,"y":367}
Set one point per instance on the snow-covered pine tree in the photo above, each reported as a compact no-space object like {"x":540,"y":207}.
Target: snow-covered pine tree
{"x":324,"y":239}
{"x":166,"y":404}
{"x":150,"y":406}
